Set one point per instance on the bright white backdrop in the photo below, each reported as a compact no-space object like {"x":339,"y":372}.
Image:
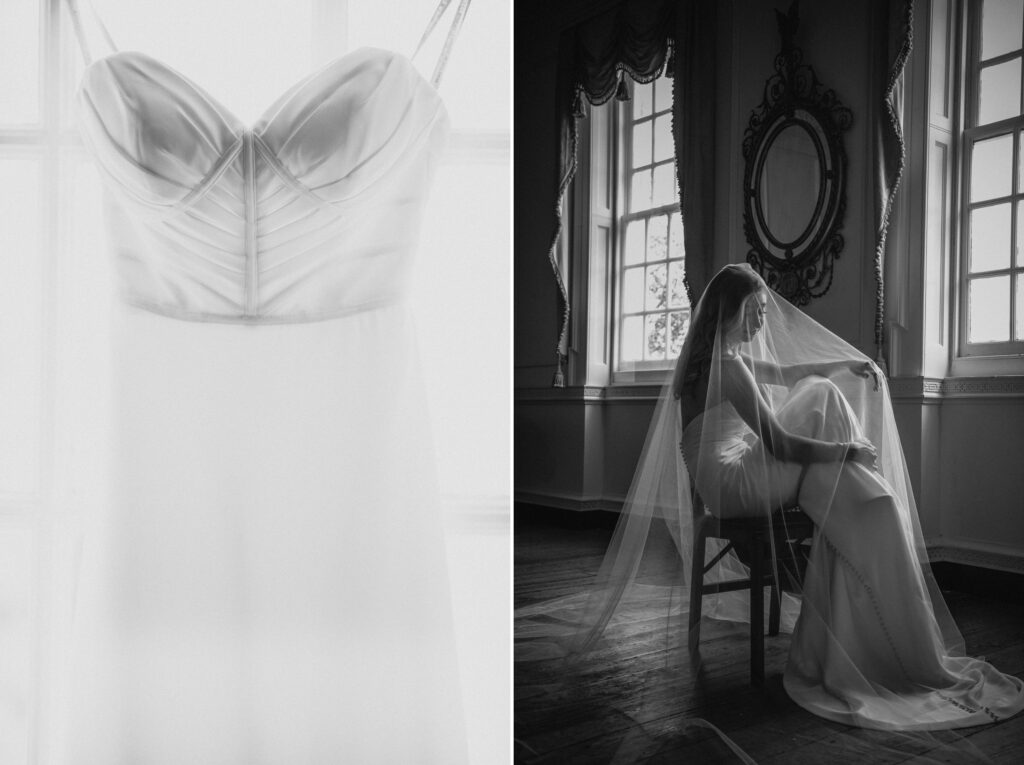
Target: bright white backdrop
{"x":53,"y":292}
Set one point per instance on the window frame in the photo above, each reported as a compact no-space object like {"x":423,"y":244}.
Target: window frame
{"x":650,"y":370}
{"x":1000,"y":353}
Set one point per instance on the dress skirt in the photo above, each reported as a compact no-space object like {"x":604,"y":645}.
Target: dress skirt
{"x":268,"y":583}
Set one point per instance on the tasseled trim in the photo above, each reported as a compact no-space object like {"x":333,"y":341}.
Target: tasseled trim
{"x":621,"y":91}
{"x":559,"y":381}
{"x":579,"y":106}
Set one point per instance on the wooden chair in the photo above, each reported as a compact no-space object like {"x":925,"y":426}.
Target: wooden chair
{"x":790,"y":526}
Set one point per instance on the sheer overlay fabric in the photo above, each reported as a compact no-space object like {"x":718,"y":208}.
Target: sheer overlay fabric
{"x":768,"y":410}
{"x":268,"y":581}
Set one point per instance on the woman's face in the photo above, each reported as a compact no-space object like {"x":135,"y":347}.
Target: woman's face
{"x":753,"y":315}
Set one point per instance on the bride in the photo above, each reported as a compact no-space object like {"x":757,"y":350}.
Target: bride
{"x":767,"y":409}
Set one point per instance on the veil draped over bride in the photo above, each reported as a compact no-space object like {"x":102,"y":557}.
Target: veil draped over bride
{"x":768,"y":410}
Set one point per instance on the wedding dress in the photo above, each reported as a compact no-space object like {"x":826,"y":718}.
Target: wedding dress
{"x":767,"y":409}
{"x":268,"y":583}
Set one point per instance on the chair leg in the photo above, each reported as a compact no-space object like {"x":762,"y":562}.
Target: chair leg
{"x":696,"y":587}
{"x":774,"y":613}
{"x":757,"y":611}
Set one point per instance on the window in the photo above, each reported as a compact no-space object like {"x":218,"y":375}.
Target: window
{"x":992,"y":262}
{"x":52,"y":276}
{"x":631,"y":313}
{"x":653,"y":312}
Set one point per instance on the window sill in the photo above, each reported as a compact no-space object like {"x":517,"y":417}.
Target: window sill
{"x":627,"y":377}
{"x":589,"y":394}
{"x":987,"y":366}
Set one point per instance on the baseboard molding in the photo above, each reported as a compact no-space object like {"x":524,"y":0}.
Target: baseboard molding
{"x":566,"y":501}
{"x":939,"y":550}
{"x":945,"y":551}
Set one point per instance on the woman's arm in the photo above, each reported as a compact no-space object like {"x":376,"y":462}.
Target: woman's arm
{"x":741,"y":390}
{"x":790,"y":375}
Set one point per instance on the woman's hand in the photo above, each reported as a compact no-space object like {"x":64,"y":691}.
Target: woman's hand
{"x":862,"y":452}
{"x":866,"y":369}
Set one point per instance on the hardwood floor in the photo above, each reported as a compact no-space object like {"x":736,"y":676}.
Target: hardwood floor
{"x":629,"y":703}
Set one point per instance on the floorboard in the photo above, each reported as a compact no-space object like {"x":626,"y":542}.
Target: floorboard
{"x":628,"y":702}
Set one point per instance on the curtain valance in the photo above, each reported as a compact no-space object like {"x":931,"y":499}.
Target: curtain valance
{"x":642,"y":38}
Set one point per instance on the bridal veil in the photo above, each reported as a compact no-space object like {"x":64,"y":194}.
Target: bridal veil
{"x":768,"y":411}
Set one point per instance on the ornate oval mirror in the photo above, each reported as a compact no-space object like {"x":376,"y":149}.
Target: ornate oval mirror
{"x":795,"y":177}
{"x":789,"y":188}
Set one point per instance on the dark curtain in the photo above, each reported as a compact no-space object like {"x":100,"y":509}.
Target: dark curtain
{"x":639,"y":38}
{"x":894,"y":38}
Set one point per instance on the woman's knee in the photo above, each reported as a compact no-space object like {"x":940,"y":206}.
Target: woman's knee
{"x":818,"y":385}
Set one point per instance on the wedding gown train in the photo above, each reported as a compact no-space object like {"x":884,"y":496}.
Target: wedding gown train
{"x":867,"y":649}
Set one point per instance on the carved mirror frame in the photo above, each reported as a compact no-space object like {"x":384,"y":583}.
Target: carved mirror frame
{"x":802,"y":267}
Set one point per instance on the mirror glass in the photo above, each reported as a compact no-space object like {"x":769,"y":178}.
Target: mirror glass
{"x":790,"y":184}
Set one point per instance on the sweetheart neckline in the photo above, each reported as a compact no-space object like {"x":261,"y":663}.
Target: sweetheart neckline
{"x":237,"y":126}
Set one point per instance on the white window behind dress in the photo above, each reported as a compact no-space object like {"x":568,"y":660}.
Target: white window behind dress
{"x":55,"y":288}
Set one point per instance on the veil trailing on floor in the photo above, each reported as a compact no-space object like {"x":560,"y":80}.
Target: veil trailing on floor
{"x":768,"y":411}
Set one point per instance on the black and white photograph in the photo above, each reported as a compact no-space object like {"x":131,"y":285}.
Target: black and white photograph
{"x":549,"y":382}
{"x":768,"y":349}
{"x":254,"y":381}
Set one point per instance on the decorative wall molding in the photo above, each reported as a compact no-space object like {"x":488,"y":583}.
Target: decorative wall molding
{"x":921,"y":388}
{"x":588,"y":394}
{"x":568,"y":395}
{"x":915,"y":387}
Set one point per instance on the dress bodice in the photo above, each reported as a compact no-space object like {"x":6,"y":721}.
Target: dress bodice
{"x":720,"y":433}
{"x":310,"y":214}
{"x":723,"y":457}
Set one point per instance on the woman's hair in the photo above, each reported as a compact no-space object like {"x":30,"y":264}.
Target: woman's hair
{"x":719,"y":308}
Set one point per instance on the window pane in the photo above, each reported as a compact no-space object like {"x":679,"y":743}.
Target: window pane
{"x":1020,"y":164}
{"x":1000,"y":92}
{"x":663,"y":93}
{"x":657,"y":238}
{"x":634,"y":247}
{"x":642,"y":100}
{"x":988,"y":310}
{"x":657,"y":287}
{"x":664,"y":185}
{"x":19,"y":53}
{"x":632,"y":340}
{"x":1000,"y":27}
{"x":16,"y":642}
{"x":676,"y":240}
{"x":990,"y":163}
{"x":244,"y":76}
{"x":640,"y":191}
{"x":642,"y":144}
{"x":663,"y":138}
{"x":1019,"y":331}
{"x":633,"y":290}
{"x":655,"y":347}
{"x":678,"y":323}
{"x":676,"y":288}
{"x":20,"y":323}
{"x":990,"y":238}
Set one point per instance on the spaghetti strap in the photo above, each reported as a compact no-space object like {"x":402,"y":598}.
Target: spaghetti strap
{"x":449,"y":42}
{"x":83,"y":41}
